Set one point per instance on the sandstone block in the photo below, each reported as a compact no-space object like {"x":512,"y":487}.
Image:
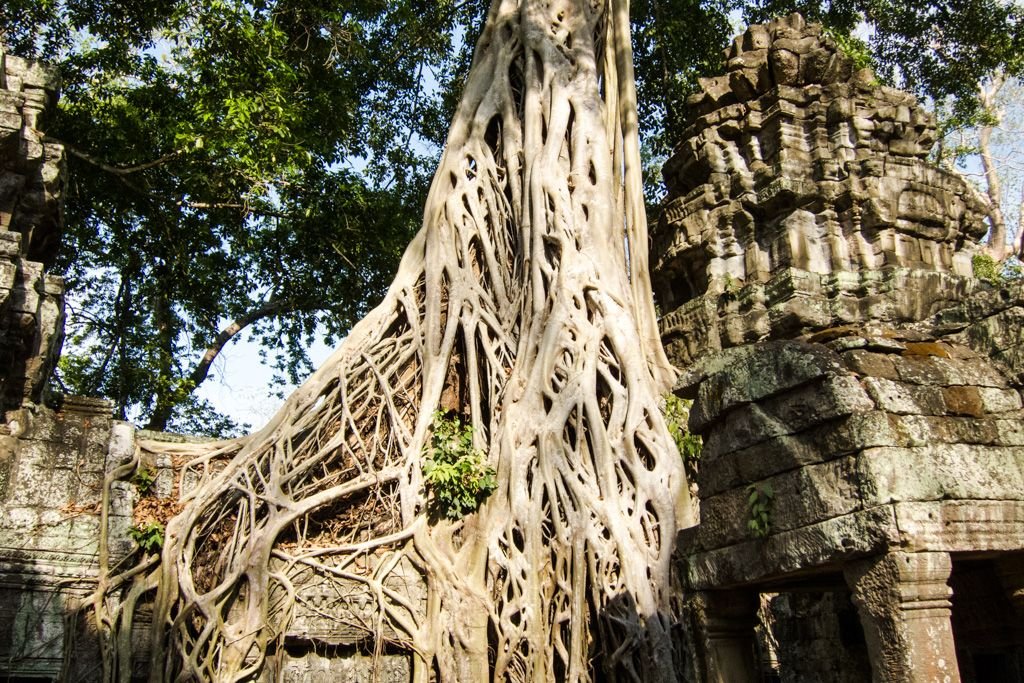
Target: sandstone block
{"x":905,"y":399}
{"x":941,"y":471}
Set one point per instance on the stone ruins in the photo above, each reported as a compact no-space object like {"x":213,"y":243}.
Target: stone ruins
{"x":861,"y":486}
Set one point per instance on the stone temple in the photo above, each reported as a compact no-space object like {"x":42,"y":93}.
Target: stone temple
{"x":861,"y":485}
{"x":858,"y":391}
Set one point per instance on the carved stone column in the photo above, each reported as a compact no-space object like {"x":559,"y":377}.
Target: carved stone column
{"x":729,"y":629}
{"x":903,"y":600}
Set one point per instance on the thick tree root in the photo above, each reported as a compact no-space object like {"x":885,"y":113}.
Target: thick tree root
{"x":524,"y":306}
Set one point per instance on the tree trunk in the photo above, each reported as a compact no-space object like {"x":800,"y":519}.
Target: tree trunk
{"x":528,"y":287}
{"x":997,"y":247}
{"x":166,"y":332}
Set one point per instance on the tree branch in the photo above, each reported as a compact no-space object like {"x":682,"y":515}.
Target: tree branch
{"x":109,"y":168}
{"x":202,"y":368}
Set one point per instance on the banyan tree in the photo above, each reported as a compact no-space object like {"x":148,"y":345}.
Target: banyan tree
{"x":521,"y":314}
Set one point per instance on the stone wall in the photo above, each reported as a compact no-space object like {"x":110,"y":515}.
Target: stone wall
{"x":865,"y":442}
{"x":52,"y":469}
{"x":32,"y":169}
{"x":857,"y":390}
{"x":801,"y":199}
{"x":32,"y":179}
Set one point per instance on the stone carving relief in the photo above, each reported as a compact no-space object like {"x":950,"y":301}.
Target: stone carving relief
{"x":801,"y":198}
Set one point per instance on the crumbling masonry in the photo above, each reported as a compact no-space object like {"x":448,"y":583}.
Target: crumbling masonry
{"x":862,"y":480}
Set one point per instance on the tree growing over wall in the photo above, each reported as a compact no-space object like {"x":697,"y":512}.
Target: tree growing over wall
{"x":214,"y":147}
{"x":522,"y":309}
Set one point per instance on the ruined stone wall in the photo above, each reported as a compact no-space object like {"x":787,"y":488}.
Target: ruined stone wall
{"x":800,"y":198}
{"x":32,"y":179}
{"x":857,"y":389}
{"x":864,"y":441}
{"x":52,"y":469}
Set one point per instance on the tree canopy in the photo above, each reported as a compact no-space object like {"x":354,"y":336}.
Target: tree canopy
{"x":233,"y":164}
{"x":239,"y":164}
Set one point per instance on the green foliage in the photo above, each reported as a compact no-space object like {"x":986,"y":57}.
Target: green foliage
{"x":994,"y":272}
{"x":257,"y":163}
{"x":677,"y":413}
{"x":149,"y":537}
{"x":144,"y":479}
{"x":457,"y":473}
{"x":759,"y":500}
{"x":986,"y":268}
{"x":853,"y":47}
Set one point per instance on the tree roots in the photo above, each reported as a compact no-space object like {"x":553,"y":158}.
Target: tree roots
{"x":524,"y":306}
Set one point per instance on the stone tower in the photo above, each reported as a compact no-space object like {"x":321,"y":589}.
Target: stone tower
{"x":858,"y":392}
{"x":801,"y":198}
{"x":32,"y":178}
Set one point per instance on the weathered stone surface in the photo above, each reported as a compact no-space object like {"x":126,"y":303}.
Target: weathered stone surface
{"x":904,"y":604}
{"x":346,"y":615}
{"x":962,"y":525}
{"x":790,"y":413}
{"x":54,"y":465}
{"x":825,"y":544}
{"x":905,"y":399}
{"x":32,"y":179}
{"x":814,"y":639}
{"x":328,"y":667}
{"x":943,"y":471}
{"x":745,"y":377}
{"x":829,"y":440}
{"x":800,"y":201}
{"x":812,"y":494}
{"x":32,"y":170}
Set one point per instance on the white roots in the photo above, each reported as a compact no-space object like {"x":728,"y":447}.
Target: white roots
{"x":524,"y":306}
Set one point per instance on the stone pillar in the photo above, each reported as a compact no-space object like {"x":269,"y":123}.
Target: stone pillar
{"x":903,"y":600}
{"x":730,"y":617}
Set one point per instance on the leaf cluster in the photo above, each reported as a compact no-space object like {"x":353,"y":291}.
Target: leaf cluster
{"x":759,"y":500}
{"x":149,"y":537}
{"x":456,"y":472}
{"x":677,"y":414}
{"x":996,"y":273}
{"x":143,"y":479}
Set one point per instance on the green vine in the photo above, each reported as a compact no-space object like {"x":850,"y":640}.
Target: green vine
{"x":456,"y":473}
{"x":677,"y":414}
{"x":759,"y":500}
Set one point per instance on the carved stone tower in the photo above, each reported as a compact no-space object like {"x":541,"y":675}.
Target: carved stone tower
{"x":801,"y":198}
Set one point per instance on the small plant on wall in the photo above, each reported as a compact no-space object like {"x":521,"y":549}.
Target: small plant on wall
{"x":759,"y":500}
{"x":457,"y":473}
{"x":148,"y":536}
{"x":677,"y":414}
